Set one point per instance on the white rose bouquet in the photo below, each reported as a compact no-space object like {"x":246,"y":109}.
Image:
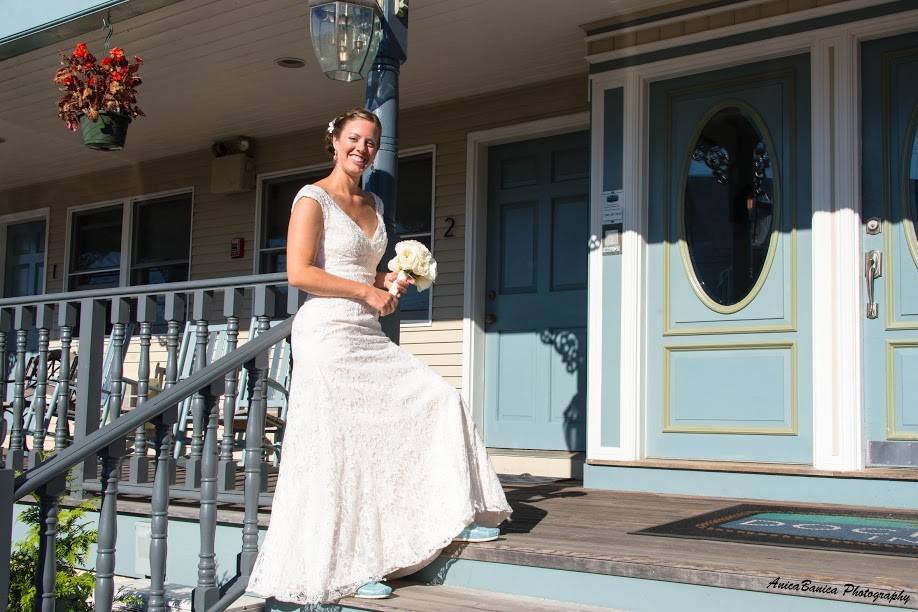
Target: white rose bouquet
{"x":413,"y":259}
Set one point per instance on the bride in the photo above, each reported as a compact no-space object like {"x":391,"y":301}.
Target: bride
{"x":382,"y":465}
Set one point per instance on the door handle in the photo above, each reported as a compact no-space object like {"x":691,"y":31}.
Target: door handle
{"x":490,"y":319}
{"x":873,"y":269}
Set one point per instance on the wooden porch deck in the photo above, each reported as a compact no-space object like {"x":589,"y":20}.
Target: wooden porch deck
{"x":560,"y":525}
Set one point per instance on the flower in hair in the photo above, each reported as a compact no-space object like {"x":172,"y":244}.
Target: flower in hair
{"x":331,"y":127}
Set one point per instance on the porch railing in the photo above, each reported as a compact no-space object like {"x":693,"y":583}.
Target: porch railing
{"x":91,"y":459}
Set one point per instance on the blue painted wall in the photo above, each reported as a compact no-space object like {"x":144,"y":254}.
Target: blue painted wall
{"x":183,"y":544}
{"x":612,"y":148}
{"x":809,"y":489}
{"x":616,"y":591}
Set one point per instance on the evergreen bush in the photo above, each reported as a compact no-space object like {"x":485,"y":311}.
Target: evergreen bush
{"x":74,"y":587}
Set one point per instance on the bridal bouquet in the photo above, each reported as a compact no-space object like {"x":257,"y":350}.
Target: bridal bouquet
{"x":413,"y":259}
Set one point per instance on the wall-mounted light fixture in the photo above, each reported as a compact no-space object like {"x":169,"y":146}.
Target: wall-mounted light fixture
{"x":236,"y":144}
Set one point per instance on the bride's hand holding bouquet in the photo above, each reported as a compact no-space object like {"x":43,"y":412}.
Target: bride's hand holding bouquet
{"x":414,"y":264}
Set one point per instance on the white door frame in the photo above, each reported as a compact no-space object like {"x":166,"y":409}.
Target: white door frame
{"x":20,"y":217}
{"x":476,"y":241}
{"x":838,"y":442}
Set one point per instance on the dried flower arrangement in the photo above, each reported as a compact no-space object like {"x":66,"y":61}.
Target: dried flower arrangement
{"x":94,"y":88}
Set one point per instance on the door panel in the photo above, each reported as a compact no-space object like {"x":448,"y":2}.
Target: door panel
{"x":890,"y":184}
{"x":535,"y":348}
{"x":729,"y":364}
{"x":25,"y":259}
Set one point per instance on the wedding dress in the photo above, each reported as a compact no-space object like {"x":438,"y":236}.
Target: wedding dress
{"x":382,"y":465}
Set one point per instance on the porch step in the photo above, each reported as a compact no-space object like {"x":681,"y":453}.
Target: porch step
{"x":420,"y":597}
{"x":579,"y":546}
{"x":539,"y":463}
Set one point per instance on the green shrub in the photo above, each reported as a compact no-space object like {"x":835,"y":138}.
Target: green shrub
{"x":74,"y":587}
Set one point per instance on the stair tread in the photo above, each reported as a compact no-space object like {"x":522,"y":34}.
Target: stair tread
{"x":416,"y":596}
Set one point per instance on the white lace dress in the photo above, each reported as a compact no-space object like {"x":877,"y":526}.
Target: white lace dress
{"x":382,"y":465}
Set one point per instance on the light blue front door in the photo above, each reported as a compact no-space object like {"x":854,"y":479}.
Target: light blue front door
{"x":24,"y":267}
{"x":535,"y":348}
{"x":889,"y":105}
{"x":728,"y":308}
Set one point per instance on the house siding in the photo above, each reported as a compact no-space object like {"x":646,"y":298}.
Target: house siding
{"x":606,"y":39}
{"x":217,"y":218}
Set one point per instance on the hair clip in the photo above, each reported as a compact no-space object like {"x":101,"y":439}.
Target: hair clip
{"x":331,"y":127}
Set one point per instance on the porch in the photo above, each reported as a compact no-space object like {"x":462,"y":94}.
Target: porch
{"x":574,"y":548}
{"x":567,"y":544}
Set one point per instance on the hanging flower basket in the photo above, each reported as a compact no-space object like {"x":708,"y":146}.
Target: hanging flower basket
{"x":106,"y":133}
{"x":99,"y":98}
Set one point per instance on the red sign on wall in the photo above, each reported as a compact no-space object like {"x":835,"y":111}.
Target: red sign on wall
{"x":237,"y":248}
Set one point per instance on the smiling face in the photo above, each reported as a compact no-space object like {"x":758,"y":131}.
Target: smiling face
{"x":356,"y":146}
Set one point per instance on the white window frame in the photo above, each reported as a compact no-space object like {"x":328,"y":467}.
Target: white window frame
{"x":23,"y":217}
{"x":412,"y":152}
{"x":68,"y":236}
{"x":127,"y":225}
{"x":403,"y":153}
{"x":259,"y":194}
{"x":128,"y":252}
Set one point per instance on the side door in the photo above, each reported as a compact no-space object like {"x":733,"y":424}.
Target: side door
{"x":889,"y":163}
{"x":536,"y":294}
{"x":24,"y":263}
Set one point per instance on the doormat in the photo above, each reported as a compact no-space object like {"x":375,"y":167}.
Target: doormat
{"x":860,"y":531}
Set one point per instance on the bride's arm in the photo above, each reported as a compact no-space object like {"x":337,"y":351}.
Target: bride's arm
{"x":303,"y":236}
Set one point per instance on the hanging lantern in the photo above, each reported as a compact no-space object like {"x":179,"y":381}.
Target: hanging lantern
{"x":345,"y":36}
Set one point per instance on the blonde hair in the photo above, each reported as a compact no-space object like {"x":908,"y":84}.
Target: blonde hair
{"x":337,"y":124}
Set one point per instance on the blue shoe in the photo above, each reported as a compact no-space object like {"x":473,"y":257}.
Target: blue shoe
{"x":373,"y":590}
{"x":477,"y":533}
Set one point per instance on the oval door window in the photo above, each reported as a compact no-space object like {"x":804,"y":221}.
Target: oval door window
{"x":729,"y":206}
{"x":912,"y":191}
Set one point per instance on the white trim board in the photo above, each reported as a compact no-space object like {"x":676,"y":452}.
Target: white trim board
{"x":21,"y":217}
{"x":633,"y":285}
{"x":835,"y":82}
{"x":476,"y":199}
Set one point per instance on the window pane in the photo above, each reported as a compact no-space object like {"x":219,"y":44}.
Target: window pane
{"x":414,"y":205}
{"x":414,"y":305}
{"x":99,"y":280}
{"x":275,"y":210}
{"x":729,"y":206}
{"x":25,"y":258}
{"x":274,"y":262}
{"x":160,"y":274}
{"x":96,"y":240}
{"x":162,"y":231}
{"x":415,"y":182}
{"x":913,"y":182}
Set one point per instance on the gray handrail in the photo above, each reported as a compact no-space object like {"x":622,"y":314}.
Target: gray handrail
{"x":211,"y":283}
{"x":125,"y":424}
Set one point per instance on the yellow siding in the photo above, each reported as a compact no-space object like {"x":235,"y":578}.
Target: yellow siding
{"x":690,"y":24}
